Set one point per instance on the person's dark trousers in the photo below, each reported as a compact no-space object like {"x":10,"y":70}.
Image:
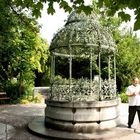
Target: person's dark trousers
{"x":132,"y":111}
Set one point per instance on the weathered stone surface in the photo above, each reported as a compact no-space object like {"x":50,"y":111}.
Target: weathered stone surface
{"x":17,"y":118}
{"x":37,"y":127}
{"x":81,"y":117}
{"x":137,"y":130}
{"x":6,"y":131}
{"x":29,"y":112}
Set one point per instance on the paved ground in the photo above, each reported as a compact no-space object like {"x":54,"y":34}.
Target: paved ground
{"x":14,"y":120}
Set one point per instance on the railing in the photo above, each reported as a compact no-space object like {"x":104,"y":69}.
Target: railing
{"x":82,"y":90}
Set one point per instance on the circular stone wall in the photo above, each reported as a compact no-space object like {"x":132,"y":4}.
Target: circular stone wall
{"x":85,"y":117}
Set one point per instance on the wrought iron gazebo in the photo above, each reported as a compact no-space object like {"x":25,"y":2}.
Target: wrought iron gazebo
{"x":83,"y":38}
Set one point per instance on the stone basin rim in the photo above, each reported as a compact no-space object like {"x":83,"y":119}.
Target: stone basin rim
{"x":79,"y":104}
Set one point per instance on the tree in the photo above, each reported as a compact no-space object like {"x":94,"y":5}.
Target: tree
{"x":128,"y":60}
{"x":21,"y":51}
{"x":110,"y":6}
{"x":119,"y":6}
{"x":37,"y":5}
{"x":128,"y":51}
{"x":42,"y":75}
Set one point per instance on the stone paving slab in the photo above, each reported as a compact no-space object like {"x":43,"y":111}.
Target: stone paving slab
{"x":18,"y":116}
{"x":137,"y":130}
{"x":6,"y":131}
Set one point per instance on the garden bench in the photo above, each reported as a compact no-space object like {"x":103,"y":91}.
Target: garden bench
{"x":3,"y":97}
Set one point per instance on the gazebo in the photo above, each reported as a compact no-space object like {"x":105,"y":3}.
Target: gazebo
{"x":82,"y":99}
{"x":83,"y":39}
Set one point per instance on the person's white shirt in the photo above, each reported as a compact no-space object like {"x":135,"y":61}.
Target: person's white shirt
{"x":134,"y":100}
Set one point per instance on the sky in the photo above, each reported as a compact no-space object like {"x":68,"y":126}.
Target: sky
{"x":130,"y":24}
{"x":52,"y":23}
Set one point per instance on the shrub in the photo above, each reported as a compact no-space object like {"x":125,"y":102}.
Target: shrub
{"x":24,"y":101}
{"x":124,"y":97}
{"x":30,"y":99}
{"x":38,"y":98}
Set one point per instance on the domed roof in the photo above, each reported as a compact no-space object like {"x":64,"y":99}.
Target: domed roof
{"x":76,"y":17}
{"x":82,"y":29}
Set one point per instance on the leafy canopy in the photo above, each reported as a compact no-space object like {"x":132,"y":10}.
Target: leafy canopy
{"x":22,"y":51}
{"x":113,"y":6}
{"x":37,"y":5}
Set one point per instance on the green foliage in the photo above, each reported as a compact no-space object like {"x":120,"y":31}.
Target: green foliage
{"x":42,"y":78}
{"x":22,"y":51}
{"x":80,"y":67}
{"x":111,"y":7}
{"x":128,"y":60}
{"x":124,"y":16}
{"x":37,"y":6}
{"x":137,"y":22}
{"x":128,"y":51}
{"x":38,"y":98}
{"x":16,"y":89}
{"x":11,"y":90}
{"x":30,"y":99}
{"x":43,"y":72}
{"x":124,"y":97}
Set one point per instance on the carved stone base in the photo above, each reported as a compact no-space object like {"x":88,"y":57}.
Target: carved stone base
{"x":81,"y":117}
{"x":38,"y":127}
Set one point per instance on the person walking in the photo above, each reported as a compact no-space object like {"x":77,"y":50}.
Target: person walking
{"x":133,"y":93}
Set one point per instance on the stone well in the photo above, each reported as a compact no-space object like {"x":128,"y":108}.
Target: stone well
{"x":81,"y":117}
